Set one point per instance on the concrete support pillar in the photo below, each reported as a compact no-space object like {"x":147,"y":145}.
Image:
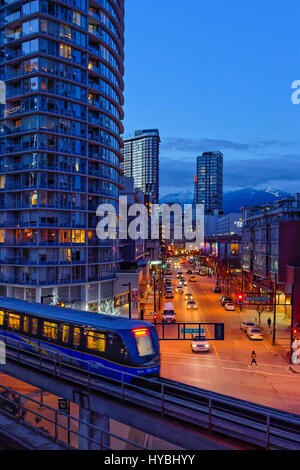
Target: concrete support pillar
{"x":38,"y":294}
{"x":102,"y":439}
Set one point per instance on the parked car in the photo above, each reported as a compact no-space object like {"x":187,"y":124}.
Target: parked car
{"x":254,"y":334}
{"x":199,"y":344}
{"x":191,"y":305}
{"x":217,"y":289}
{"x":247,"y":324}
{"x":192,"y":278}
{"x":227,"y":300}
{"x":229,"y":306}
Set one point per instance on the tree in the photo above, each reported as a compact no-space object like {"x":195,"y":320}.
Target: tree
{"x":108,"y":308}
{"x":260,"y":308}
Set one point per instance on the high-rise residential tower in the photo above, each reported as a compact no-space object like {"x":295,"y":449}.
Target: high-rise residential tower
{"x":61,"y":97}
{"x":209,"y":181}
{"x":141,"y":161}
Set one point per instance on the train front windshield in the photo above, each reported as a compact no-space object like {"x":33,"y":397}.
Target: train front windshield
{"x":144,"y":342}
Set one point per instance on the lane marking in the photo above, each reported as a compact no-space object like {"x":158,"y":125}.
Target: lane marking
{"x":197,"y":303}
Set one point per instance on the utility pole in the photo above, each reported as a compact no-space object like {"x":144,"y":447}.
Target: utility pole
{"x":292,"y":323}
{"x":154,"y":288}
{"x":275,"y":305}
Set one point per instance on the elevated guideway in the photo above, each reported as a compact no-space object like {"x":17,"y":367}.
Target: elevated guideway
{"x":189,"y":417}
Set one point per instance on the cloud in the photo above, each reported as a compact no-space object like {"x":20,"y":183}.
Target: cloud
{"x":260,"y":171}
{"x":176,"y":173}
{"x":251,"y":172}
{"x":197,"y":146}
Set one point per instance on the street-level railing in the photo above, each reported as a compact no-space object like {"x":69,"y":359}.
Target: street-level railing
{"x":61,"y":427}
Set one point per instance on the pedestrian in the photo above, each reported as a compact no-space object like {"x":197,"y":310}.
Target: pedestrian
{"x":269,"y":322}
{"x":253,"y":359}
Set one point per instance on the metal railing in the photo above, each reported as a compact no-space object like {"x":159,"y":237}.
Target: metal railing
{"x":46,"y":419}
{"x":248,"y":422}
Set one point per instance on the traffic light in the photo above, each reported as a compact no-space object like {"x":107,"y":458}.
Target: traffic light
{"x":155,"y":317}
{"x":240,"y":298}
{"x":294,"y":333}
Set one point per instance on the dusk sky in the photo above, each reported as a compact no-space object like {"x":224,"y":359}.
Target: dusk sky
{"x":216,"y":76}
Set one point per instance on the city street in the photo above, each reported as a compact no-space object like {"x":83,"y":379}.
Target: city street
{"x":225,"y":369}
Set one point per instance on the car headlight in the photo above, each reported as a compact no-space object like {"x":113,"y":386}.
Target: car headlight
{"x":195,"y":306}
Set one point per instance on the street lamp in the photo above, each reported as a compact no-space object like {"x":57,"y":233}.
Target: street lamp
{"x":128,"y":284}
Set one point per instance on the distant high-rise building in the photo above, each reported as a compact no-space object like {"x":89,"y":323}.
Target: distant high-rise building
{"x":61,"y":97}
{"x":209,"y":185}
{"x":141,"y":161}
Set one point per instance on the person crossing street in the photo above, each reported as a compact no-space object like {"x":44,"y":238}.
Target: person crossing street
{"x":253,"y":359}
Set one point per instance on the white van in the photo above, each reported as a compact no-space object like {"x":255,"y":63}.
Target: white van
{"x":168,"y":313}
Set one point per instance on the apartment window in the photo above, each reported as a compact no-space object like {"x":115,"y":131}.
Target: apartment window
{"x":30,"y":46}
{"x":65,"y":51}
{"x":30,"y":27}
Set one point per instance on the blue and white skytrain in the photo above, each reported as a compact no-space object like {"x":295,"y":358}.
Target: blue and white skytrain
{"x":118,"y":344}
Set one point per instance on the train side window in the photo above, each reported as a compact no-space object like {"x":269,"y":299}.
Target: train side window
{"x":50,"y":330}
{"x":14,"y":321}
{"x":96,"y":341}
{"x":25,"y":324}
{"x":2,"y":317}
{"x":65,"y":333}
{"x":76,"y":336}
{"x":34,"y":326}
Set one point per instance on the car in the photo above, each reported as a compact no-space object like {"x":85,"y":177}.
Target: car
{"x":199,"y":343}
{"x":168,"y":281}
{"x":182,"y":282}
{"x":229,"y":306}
{"x":202,"y":273}
{"x":189,"y":271}
{"x":168,"y":288}
{"x":227,"y":300}
{"x":188,"y":296}
{"x":191,"y":305}
{"x":169,"y":272}
{"x":179,"y":289}
{"x":217,"y":289}
{"x":254,"y":334}
{"x":247,"y":324}
{"x":169,"y":294}
{"x":192,"y":278}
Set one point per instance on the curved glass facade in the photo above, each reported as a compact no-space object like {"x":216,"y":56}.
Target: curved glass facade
{"x":61,"y":98}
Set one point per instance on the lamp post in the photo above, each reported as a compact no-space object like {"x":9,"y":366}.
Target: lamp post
{"x":129,"y":298}
{"x":275,"y":305}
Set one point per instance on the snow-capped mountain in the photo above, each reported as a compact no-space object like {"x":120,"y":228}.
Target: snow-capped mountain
{"x":233,"y":200}
{"x":184,"y":197}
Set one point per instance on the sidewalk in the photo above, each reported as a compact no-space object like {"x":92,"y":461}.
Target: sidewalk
{"x":283,"y":332}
